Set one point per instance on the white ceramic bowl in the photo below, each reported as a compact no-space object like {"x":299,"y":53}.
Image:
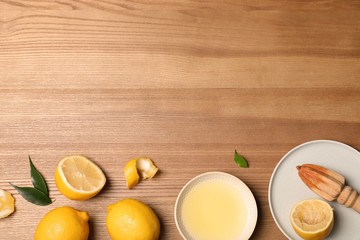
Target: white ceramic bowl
{"x":234,"y":181}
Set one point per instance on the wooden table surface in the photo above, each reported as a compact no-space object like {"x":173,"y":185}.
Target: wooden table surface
{"x":182,"y":82}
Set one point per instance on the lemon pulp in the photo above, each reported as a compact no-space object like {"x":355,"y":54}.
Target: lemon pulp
{"x":214,"y":210}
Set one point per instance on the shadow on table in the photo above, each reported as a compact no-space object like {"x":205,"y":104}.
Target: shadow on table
{"x":91,"y":227}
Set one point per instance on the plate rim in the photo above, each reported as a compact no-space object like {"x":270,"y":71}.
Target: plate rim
{"x":254,"y":216}
{"x":283,"y":159}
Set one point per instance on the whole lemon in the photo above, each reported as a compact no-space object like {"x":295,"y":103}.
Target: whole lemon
{"x":63,"y":223}
{"x":132,"y":219}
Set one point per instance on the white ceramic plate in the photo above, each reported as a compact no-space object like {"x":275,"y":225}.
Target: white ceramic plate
{"x":286,"y":188}
{"x":237,"y":183}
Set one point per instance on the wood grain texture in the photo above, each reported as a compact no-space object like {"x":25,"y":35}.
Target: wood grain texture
{"x":183,"y":82}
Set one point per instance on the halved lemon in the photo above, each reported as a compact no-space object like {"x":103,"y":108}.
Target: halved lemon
{"x":78,"y":178}
{"x":312,"y":219}
{"x":7,"y":205}
{"x":142,"y":166}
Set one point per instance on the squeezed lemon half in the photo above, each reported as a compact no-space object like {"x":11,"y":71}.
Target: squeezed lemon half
{"x":312,"y":219}
{"x":139,"y":166}
{"x":78,"y":178}
{"x":7,"y":204}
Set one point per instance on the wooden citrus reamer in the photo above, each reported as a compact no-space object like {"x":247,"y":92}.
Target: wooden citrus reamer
{"x":329,"y":185}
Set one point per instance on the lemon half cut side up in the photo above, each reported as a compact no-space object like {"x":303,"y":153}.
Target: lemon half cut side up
{"x":312,"y":219}
{"x":78,"y":178}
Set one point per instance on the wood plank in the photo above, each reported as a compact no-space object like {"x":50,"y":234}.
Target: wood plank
{"x":224,"y":44}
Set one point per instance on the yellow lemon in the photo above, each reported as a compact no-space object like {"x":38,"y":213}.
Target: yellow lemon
{"x":63,"y":223}
{"x":142,"y":166}
{"x":78,"y":178}
{"x":132,"y":219}
{"x":7,"y":204}
{"x":312,"y":219}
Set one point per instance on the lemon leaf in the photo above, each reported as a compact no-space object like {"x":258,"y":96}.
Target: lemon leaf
{"x":240,"y":161}
{"x":37,"y":180}
{"x":33,"y":195}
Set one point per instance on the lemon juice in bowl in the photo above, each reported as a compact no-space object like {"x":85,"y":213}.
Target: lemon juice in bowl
{"x":214,"y":210}
{"x":215,"y":206}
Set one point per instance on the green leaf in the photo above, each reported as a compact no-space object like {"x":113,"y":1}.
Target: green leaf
{"x":37,"y":180}
{"x":33,"y":195}
{"x":240,"y":161}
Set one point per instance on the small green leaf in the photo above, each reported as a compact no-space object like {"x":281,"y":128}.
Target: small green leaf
{"x":37,"y":180}
{"x":33,"y":195}
{"x":240,"y":160}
